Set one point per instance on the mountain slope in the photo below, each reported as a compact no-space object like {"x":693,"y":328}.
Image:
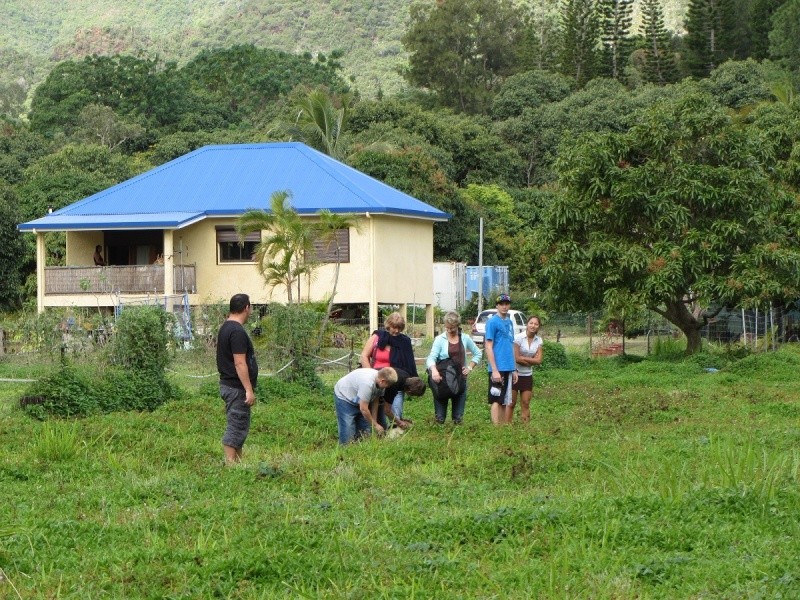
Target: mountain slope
{"x":43,"y":32}
{"x":39,"y":33}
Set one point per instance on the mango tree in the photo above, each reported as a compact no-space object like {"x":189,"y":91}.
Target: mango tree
{"x":679,"y":213}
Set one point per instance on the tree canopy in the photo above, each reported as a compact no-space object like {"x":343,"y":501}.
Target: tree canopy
{"x":462,"y":49}
{"x":678,"y":214}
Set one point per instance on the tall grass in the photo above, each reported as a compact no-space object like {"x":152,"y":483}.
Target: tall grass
{"x":746,"y":467}
{"x":651,"y":479}
{"x":667,"y":346}
{"x":58,"y":441}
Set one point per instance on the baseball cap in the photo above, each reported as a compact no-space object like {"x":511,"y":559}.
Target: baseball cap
{"x":503,"y":298}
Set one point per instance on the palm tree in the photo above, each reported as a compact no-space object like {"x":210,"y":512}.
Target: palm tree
{"x":329,"y":224}
{"x":279,"y":272}
{"x":289,"y":237}
{"x":320,"y":123}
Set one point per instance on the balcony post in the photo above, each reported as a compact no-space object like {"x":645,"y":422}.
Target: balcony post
{"x":169,"y":268}
{"x":41,"y":258}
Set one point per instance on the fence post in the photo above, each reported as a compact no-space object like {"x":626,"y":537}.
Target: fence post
{"x":744,"y":330}
{"x":755,"y":332}
{"x":589,"y":326}
{"x":352,"y":354}
{"x":772,"y":325}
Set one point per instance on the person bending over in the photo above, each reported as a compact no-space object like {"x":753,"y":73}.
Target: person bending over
{"x":356,"y":397}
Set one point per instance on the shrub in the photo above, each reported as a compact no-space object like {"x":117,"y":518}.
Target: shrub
{"x":207,"y":320}
{"x":64,"y":393}
{"x":141,"y":339}
{"x":41,"y":332}
{"x":554,"y":356}
{"x":290,"y":334}
{"x":134,"y":390}
{"x":136,"y":381}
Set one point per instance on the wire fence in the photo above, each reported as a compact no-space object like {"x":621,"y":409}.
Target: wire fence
{"x":756,"y":330}
{"x":84,"y":337}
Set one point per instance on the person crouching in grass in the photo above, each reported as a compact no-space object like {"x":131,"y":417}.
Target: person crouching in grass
{"x":408,"y":386}
{"x":356,"y":397}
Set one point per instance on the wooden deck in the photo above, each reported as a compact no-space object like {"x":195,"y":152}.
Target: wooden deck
{"x":135,"y":279}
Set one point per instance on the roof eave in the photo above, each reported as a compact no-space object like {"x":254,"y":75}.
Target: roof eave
{"x":35,"y":227}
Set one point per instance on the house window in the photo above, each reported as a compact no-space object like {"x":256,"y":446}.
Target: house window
{"x":231,"y":250}
{"x":324,"y":251}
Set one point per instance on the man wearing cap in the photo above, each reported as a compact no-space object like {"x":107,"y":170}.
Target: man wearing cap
{"x":499,"y":346}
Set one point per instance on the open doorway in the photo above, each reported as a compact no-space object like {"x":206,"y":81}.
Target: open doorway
{"x":134,"y":247}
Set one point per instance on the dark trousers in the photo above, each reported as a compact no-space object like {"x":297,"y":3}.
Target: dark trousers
{"x":459,"y":403}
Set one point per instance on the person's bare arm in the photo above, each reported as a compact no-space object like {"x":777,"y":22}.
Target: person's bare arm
{"x":536,"y":359}
{"x":488,"y":345}
{"x":369,"y":410}
{"x":366,"y":353}
{"x":240,"y":363}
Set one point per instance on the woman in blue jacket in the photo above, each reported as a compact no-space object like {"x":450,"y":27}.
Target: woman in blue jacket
{"x":452,"y":344}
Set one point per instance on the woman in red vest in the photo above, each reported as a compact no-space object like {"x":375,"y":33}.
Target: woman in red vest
{"x":390,"y":347}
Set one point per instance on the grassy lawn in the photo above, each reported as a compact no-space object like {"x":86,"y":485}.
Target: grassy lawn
{"x":651,"y":479}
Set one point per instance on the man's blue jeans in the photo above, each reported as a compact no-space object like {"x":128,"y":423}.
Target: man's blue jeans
{"x":352,"y":424}
{"x":397,"y":404}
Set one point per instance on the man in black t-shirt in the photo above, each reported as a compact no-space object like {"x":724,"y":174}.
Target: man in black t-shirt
{"x":238,"y":374}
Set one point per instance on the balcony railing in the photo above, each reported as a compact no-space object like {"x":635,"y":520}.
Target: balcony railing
{"x":135,"y":279}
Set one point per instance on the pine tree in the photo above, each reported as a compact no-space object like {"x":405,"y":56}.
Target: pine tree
{"x":760,"y":25}
{"x":660,"y":65}
{"x":736,"y":41}
{"x":580,"y":35}
{"x":716,"y":30}
{"x":539,"y":40}
{"x":615,"y":17}
{"x":703,"y":25}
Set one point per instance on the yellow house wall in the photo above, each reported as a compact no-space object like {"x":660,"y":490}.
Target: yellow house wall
{"x":216,"y":282}
{"x":80,"y":247}
{"x":400,"y":250}
{"x":403,"y":260}
{"x":354,"y":276}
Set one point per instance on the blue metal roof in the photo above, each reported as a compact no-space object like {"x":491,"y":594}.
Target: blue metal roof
{"x":227,"y":180}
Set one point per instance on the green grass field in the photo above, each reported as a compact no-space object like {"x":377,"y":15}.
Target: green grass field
{"x":651,"y":479}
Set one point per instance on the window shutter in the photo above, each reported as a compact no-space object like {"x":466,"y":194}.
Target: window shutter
{"x":325,"y":250}
{"x":228,"y":234}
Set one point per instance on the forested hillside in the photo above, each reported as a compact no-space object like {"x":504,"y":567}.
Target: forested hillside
{"x":36,"y":34}
{"x":615,"y":164}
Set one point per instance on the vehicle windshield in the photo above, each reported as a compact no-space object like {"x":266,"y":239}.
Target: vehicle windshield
{"x":484,"y":316}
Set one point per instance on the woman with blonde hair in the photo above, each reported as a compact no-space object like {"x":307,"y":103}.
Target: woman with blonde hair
{"x":453,"y":345}
{"x":390,"y":347}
